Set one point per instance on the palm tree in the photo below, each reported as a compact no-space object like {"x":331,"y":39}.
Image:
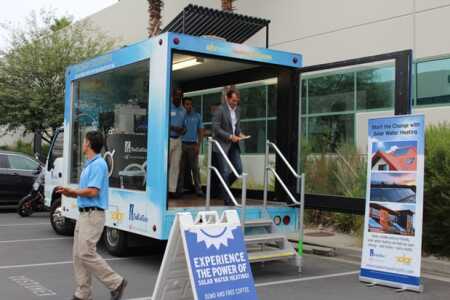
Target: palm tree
{"x":227,"y":5}
{"x":154,"y":20}
{"x":60,"y":23}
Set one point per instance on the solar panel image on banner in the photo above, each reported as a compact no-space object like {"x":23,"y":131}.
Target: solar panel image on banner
{"x":393,"y":187}
{"x":401,"y":195}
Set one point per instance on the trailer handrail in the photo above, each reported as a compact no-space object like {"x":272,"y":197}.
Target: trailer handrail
{"x":283,"y":158}
{"x":242,"y":176}
{"x":233,"y":169}
{"x":300,"y":177}
{"x":283,"y":185}
{"x":300,"y":185}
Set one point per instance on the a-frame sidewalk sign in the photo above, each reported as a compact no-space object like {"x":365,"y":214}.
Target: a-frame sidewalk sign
{"x":205,"y":259}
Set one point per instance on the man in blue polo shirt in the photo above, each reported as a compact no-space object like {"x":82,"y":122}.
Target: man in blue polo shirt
{"x":92,"y":200}
{"x":177,"y":129}
{"x":191,"y":141}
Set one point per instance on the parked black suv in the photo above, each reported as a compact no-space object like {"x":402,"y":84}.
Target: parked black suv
{"x":17,"y":174}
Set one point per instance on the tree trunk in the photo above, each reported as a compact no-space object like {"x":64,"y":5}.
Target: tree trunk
{"x":227,"y":5}
{"x":154,"y":17}
{"x":37,"y":145}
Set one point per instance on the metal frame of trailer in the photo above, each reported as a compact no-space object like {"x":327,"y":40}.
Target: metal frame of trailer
{"x":153,"y":202}
{"x":289,"y":188}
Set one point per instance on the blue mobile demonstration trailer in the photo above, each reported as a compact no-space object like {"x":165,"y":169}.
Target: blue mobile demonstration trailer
{"x":127,"y":94}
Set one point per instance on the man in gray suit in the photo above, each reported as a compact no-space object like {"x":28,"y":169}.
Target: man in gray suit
{"x":226,"y":130}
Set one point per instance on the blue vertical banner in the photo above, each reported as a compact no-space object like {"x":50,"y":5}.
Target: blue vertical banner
{"x":219,"y":263}
{"x":394,"y":202}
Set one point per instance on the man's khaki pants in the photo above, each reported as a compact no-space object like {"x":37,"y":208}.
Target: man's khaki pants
{"x":174,"y":163}
{"x":86,"y":261}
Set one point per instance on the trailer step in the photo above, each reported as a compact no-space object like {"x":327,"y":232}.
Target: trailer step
{"x":269,"y":255}
{"x":260,"y":238}
{"x":258,"y":223}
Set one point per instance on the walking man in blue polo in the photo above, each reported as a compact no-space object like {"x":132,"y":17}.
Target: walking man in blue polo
{"x":191,"y":142}
{"x":92,"y":200}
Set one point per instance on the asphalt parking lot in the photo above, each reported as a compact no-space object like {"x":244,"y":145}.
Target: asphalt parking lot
{"x":35,"y":263}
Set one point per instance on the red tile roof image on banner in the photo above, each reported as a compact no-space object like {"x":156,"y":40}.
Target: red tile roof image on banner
{"x":400,"y":159}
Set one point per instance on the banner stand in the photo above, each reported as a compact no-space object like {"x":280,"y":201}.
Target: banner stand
{"x":392,"y":244}
{"x":205,"y":259}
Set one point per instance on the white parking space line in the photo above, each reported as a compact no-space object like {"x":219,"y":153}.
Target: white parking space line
{"x":35,"y":240}
{"x":24,"y":224}
{"x":337,"y":259}
{"x":347,"y":261}
{"x":33,"y":286}
{"x":306,"y":278}
{"x":436,"y":277}
{"x":279,"y":282}
{"x":54,"y":263}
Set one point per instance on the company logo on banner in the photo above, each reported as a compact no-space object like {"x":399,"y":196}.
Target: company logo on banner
{"x":219,"y":263}
{"x":394,"y":202}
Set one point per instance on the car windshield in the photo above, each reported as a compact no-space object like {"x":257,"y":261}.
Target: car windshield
{"x":20,"y":162}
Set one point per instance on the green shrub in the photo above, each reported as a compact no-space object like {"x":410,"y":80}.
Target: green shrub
{"x":437,"y":190}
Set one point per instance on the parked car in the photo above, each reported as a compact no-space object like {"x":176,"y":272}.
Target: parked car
{"x":18,"y":172}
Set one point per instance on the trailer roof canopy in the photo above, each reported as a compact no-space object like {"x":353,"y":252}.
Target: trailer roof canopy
{"x":200,"y":21}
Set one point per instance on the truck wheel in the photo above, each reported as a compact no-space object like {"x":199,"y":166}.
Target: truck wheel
{"x":116,"y":241}
{"x":60,"y":224}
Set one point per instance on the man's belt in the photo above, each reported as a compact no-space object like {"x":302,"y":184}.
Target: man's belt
{"x":89,"y":208}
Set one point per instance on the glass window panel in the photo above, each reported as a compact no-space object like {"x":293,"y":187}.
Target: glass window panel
{"x":272,"y":100}
{"x":341,"y":173}
{"x":326,"y":133}
{"x":207,"y":132}
{"x":210,"y":102}
{"x":433,"y":82}
{"x":197,"y":103}
{"x":303,"y":127}
{"x":58,"y":146}
{"x":272,"y":130}
{"x":57,"y":150}
{"x":375,"y":88}
{"x":253,"y":102}
{"x":257,"y":131}
{"x":331,"y":93}
{"x":116,"y":103}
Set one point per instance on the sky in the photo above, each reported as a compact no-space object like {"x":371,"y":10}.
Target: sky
{"x":391,"y":146}
{"x":16,"y":11}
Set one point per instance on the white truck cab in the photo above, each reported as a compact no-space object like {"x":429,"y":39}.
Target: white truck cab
{"x":53,"y":178}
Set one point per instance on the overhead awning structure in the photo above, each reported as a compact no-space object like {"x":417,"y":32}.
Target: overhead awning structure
{"x":202,"y":21}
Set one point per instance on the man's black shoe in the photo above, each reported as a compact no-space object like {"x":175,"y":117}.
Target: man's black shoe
{"x":117,"y":293}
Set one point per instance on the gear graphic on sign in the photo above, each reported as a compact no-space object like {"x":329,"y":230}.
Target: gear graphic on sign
{"x":214,"y":236}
